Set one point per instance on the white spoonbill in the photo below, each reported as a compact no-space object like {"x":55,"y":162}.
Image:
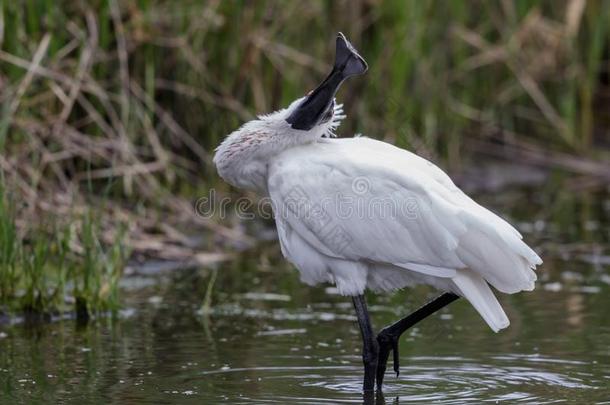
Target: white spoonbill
{"x":362,"y":213}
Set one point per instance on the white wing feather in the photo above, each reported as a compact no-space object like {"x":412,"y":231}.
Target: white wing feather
{"x":359,"y":200}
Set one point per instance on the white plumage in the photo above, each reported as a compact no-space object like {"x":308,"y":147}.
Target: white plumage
{"x":362,"y":213}
{"x":427,"y":230}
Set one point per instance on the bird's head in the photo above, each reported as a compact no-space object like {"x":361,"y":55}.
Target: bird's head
{"x":317,"y":108}
{"x":305,"y":120}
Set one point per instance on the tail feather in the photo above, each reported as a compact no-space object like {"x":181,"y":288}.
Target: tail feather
{"x":476,"y":290}
{"x":508,"y":267}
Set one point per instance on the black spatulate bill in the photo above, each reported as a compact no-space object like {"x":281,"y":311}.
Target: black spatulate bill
{"x":318,"y":103}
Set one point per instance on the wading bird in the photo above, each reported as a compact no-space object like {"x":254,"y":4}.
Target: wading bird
{"x":364,"y":214}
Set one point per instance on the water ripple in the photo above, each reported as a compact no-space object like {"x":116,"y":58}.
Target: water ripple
{"x":448,"y":380}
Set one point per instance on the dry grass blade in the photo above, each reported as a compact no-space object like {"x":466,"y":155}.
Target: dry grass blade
{"x":171,"y":124}
{"x":31,"y":71}
{"x":502,"y":54}
{"x":574,"y":13}
{"x":115,"y":12}
{"x":84,"y":65}
{"x":534,"y":155}
{"x":547,"y":109}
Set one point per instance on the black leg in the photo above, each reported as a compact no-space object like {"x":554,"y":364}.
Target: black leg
{"x":369,"y":343}
{"x":388,"y":337}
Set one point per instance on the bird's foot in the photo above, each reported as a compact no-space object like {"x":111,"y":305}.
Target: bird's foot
{"x":388,"y":342}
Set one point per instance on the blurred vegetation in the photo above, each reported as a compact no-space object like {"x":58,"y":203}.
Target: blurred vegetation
{"x":110,"y":109}
{"x":57,"y":269}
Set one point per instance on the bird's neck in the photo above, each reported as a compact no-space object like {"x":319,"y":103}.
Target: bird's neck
{"x":243,"y":157}
{"x":241,"y":164}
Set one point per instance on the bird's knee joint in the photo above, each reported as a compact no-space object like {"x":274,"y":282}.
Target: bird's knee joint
{"x":385,"y":337}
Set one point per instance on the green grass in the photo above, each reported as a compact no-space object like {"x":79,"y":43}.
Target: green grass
{"x":213,"y":64}
{"x":40,"y":273}
{"x":134,"y":96}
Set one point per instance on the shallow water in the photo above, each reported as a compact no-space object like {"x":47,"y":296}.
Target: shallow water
{"x":269,"y":339}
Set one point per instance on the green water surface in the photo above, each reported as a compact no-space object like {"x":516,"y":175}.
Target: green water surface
{"x":270,"y":339}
